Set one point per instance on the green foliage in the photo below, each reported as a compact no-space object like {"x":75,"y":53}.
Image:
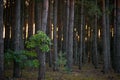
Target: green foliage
{"x":40,"y":40}
{"x":62,"y":61}
{"x":92,"y":8}
{"x":22,"y":57}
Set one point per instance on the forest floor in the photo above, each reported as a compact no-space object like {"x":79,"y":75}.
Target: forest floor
{"x":88,"y":72}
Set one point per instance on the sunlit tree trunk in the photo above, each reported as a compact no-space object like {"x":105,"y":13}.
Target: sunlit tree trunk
{"x":1,"y":42}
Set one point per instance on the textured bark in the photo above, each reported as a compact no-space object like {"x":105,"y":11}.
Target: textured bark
{"x":38,"y":10}
{"x":70,"y":36}
{"x":81,"y":36}
{"x":117,"y":40}
{"x":41,"y":55}
{"x":105,"y":42}
{"x":18,"y":37}
{"x":55,"y":35}
{"x":1,"y":42}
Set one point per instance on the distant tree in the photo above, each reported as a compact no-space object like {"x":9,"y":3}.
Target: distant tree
{"x":1,"y":42}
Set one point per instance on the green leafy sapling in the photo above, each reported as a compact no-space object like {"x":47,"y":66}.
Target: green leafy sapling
{"x":40,"y":40}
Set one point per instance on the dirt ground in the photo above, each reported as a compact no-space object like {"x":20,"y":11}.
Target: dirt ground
{"x":88,"y":72}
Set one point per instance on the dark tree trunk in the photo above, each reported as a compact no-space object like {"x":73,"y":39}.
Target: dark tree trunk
{"x":114,"y":43}
{"x":41,"y":55}
{"x":1,"y":42}
{"x":117,"y":40}
{"x":81,"y":36}
{"x":18,"y":37}
{"x":67,"y":24}
{"x":108,"y":33}
{"x":55,"y":35}
{"x":50,"y":19}
{"x":38,"y":10}
{"x":7,"y":25}
{"x":31,"y":18}
{"x":70,"y":36}
{"x":95,"y":52}
{"x":105,"y":42}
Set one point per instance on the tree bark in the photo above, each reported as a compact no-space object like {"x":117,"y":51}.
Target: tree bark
{"x":31,"y":18}
{"x":55,"y":35}
{"x":81,"y":36}
{"x":117,"y":40}
{"x":41,"y":55}
{"x":105,"y":42}
{"x":95,"y":53}
{"x":70,"y":36}
{"x":18,"y":37}
{"x":1,"y":42}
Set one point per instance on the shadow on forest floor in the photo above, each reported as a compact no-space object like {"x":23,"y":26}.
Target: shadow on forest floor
{"x":87,"y":73}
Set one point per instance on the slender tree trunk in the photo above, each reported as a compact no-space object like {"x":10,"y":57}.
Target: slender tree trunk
{"x":1,"y":42}
{"x":38,"y":9}
{"x":18,"y":37}
{"x":50,"y":19}
{"x":7,"y":25}
{"x":67,"y":24}
{"x":41,"y":55}
{"x":70,"y":36}
{"x":31,"y":18}
{"x":95,"y":53}
{"x":81,"y":36}
{"x":115,"y":23}
{"x":117,"y":38}
{"x":108,"y":34}
{"x":105,"y":42}
{"x":55,"y":35}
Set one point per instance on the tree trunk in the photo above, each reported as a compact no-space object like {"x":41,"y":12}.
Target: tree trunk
{"x":38,"y":10}
{"x":18,"y":37}
{"x":31,"y":18}
{"x":95,"y":52}
{"x":55,"y":35}
{"x":117,"y":38}
{"x":1,"y":42}
{"x":41,"y":55}
{"x":50,"y":19}
{"x":70,"y":36}
{"x":105,"y":42}
{"x":81,"y":36}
